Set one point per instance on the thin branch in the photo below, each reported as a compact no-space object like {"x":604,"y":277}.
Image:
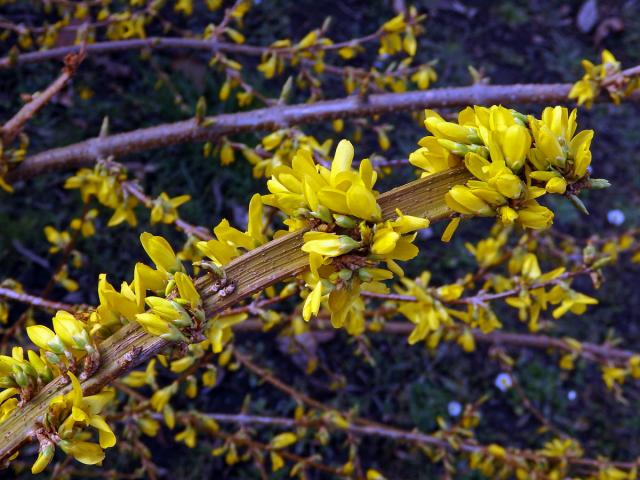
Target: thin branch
{"x":272,"y":118}
{"x":602,"y":352}
{"x":196,"y":230}
{"x":482,"y":297}
{"x":247,"y":442}
{"x":14,"y":126}
{"x":363,"y":426}
{"x":166,"y":43}
{"x":38,"y":302}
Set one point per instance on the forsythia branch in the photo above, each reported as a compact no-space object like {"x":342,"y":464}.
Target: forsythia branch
{"x":250,"y":273}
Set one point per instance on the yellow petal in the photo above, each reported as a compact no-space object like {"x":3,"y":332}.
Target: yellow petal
{"x":85,"y":452}
{"x":160,"y":252}
{"x":362,"y":203}
{"x":384,"y":241}
{"x":342,"y":159}
{"x":283,"y":440}
{"x":187,"y":289}
{"x":106,"y":437}
{"x":312,"y":302}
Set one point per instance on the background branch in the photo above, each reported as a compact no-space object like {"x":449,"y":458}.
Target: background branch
{"x":273,"y":118}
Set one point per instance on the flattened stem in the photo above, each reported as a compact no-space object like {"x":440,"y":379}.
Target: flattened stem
{"x":251,"y":273}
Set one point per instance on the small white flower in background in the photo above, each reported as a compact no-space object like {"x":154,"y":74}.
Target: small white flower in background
{"x":571,"y":395}
{"x":425,"y":233}
{"x":454,"y":408}
{"x":590,"y":169}
{"x":615,"y":217}
{"x":503,"y":382}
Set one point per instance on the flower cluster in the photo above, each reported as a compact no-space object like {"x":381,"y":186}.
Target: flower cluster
{"x":70,"y":349}
{"x":515,"y":159}
{"x":400,"y":33}
{"x":65,"y":425}
{"x":279,"y":147}
{"x":348,"y":237}
{"x":229,"y":242}
{"x":533,"y":297}
{"x":607,"y":75}
{"x":107,"y":183}
{"x":428,"y":313}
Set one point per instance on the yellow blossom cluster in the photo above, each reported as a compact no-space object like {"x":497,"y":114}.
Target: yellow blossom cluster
{"x":533,"y":297}
{"x":495,"y":461}
{"x":229,"y":242}
{"x":70,"y":349}
{"x":279,"y":148}
{"x":400,"y":33}
{"x":65,"y":424}
{"x":10,"y":158}
{"x":607,"y":75}
{"x":429,"y":312}
{"x":348,"y":237}
{"x":515,"y":159}
{"x":105,"y":182}
{"x":105,"y":185}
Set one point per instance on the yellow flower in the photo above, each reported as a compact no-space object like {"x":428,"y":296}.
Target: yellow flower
{"x":45,"y":455}
{"x":160,"y":253}
{"x":169,"y":311}
{"x":448,"y":130}
{"x":219,"y":330}
{"x":515,"y":145}
{"x":328,"y":244}
{"x":312,"y":302}
{"x":535,"y":216}
{"x":424,"y":77}
{"x":384,"y":241}
{"x":556,"y":185}
{"x":137,"y":379}
{"x":587,"y":89}
{"x":69,"y":415}
{"x":187,"y":436}
{"x":45,"y":338}
{"x":433,"y":157}
{"x":283,"y":440}
{"x":85,"y":452}
{"x":362,"y":203}
{"x":161,"y":397}
{"x":461,"y":199}
{"x":59,"y":240}
{"x":569,"y":300}
{"x":612,"y":376}
{"x":155,"y":325}
{"x":165,"y":209}
{"x":70,"y":331}
{"x":184,"y":6}
{"x":187,"y":289}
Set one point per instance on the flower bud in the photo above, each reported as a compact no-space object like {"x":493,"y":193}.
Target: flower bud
{"x":599,"y":183}
{"x":556,"y":185}
{"x":345,"y":221}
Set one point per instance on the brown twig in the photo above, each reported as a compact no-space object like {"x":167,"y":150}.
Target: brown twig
{"x":363,"y":426}
{"x":272,"y":118}
{"x":14,"y":126}
{"x":537,"y":341}
{"x":197,"y":231}
{"x":38,"y":302}
{"x":8,"y":334}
